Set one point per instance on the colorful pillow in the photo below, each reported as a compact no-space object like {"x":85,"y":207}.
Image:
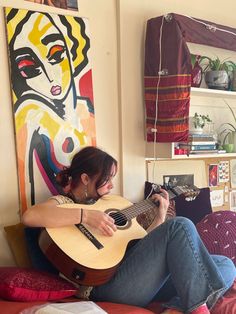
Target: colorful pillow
{"x":22,"y":284}
{"x":218,"y":232}
{"x":195,"y":210}
{"x":16,"y":240}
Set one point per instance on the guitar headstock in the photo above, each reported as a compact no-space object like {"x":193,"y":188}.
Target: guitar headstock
{"x":188,"y":192}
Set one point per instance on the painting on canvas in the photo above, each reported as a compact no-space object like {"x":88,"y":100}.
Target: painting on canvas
{"x":62,"y":4}
{"x":52,"y":96}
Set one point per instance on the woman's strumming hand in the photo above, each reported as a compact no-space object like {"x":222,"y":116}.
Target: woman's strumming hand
{"x":99,"y":220}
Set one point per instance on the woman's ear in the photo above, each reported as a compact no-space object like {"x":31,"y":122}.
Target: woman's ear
{"x":84,"y":178}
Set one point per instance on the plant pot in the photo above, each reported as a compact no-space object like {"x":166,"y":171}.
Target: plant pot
{"x":233,"y":85}
{"x":232,"y":140}
{"x":229,"y":148}
{"x":217,"y":80}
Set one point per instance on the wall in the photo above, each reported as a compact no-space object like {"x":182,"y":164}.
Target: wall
{"x":117,"y":36}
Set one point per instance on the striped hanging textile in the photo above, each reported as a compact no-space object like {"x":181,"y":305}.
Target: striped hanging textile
{"x":166,"y":38}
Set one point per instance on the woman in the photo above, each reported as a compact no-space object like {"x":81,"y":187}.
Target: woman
{"x":171,"y":256}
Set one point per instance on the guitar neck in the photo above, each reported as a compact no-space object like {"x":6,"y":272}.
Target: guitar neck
{"x":143,"y":206}
{"x":137,"y":209}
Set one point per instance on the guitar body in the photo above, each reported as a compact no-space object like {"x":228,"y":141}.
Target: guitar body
{"x":86,"y":262}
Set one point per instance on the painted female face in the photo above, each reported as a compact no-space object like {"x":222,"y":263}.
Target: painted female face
{"x":42,"y":59}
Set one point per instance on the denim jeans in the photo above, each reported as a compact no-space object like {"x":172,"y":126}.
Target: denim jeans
{"x":171,"y":257}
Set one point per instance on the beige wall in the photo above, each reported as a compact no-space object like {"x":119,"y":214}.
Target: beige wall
{"x":117,"y":30}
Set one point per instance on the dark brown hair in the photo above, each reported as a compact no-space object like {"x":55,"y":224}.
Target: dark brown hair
{"x":90,"y":160}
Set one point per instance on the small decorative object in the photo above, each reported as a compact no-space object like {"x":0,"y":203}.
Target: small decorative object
{"x":197,"y":71}
{"x":227,"y":132}
{"x":217,"y":73}
{"x":197,"y":123}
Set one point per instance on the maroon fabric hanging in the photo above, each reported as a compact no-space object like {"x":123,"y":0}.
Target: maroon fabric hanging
{"x":174,"y":87}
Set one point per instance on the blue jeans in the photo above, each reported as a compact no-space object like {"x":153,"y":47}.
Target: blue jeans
{"x":171,"y":257}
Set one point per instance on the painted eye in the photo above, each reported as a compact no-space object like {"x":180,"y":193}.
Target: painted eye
{"x":55,"y":54}
{"x":28,"y":68}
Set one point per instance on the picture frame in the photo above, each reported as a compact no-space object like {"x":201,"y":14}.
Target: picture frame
{"x":213,"y":174}
{"x":232,"y":200}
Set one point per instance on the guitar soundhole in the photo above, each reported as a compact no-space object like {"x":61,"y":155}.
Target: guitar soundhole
{"x":120,"y":219}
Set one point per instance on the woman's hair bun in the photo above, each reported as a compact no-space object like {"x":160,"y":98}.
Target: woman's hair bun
{"x":63,"y":177}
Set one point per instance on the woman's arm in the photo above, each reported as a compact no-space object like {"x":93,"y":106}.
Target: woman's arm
{"x":48,"y":214}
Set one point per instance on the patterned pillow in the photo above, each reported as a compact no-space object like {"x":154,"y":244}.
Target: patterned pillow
{"x":22,"y":284}
{"x":218,"y":232}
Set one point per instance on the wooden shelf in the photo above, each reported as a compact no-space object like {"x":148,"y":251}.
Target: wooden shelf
{"x":164,"y":151}
{"x":200,"y":156}
{"x":206,"y":92}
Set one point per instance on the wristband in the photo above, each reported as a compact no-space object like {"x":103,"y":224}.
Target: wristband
{"x":81,"y":215}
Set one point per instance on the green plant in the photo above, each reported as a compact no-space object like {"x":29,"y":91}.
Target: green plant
{"x":228,"y":129}
{"x":199,"y":120}
{"x":217,"y":64}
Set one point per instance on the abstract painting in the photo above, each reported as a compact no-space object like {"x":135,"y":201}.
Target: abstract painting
{"x":52,"y":96}
{"x":62,"y":4}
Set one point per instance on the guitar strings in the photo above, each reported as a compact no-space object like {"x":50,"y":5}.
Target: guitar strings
{"x":134,"y":211}
{"x":139,"y":208}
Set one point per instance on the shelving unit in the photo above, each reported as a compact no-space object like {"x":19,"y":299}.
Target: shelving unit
{"x":166,"y":150}
{"x":206,"y":92}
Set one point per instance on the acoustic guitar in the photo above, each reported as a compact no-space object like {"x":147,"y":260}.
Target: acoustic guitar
{"x":87,"y":257}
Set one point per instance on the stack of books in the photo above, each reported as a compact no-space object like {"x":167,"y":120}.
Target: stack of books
{"x":199,"y":144}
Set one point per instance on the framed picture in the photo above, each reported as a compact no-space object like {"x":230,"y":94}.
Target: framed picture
{"x":217,"y":198}
{"x":232,"y":200}
{"x":223,"y":171}
{"x":213,"y":174}
{"x":62,"y":4}
{"x":233,"y":173}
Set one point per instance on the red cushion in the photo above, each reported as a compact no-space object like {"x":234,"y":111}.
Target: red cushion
{"x":227,"y":304}
{"x":21,"y":284}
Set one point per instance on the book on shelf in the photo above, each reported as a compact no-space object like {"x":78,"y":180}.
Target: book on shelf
{"x":207,"y":151}
{"x":201,"y":137}
{"x":193,"y":142}
{"x":198,"y":146}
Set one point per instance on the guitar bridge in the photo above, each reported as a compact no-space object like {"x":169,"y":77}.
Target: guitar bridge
{"x":90,"y":236}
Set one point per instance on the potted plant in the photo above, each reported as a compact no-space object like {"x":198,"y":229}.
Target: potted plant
{"x":217,"y":73}
{"x":197,"y":122}
{"x":228,"y":130}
